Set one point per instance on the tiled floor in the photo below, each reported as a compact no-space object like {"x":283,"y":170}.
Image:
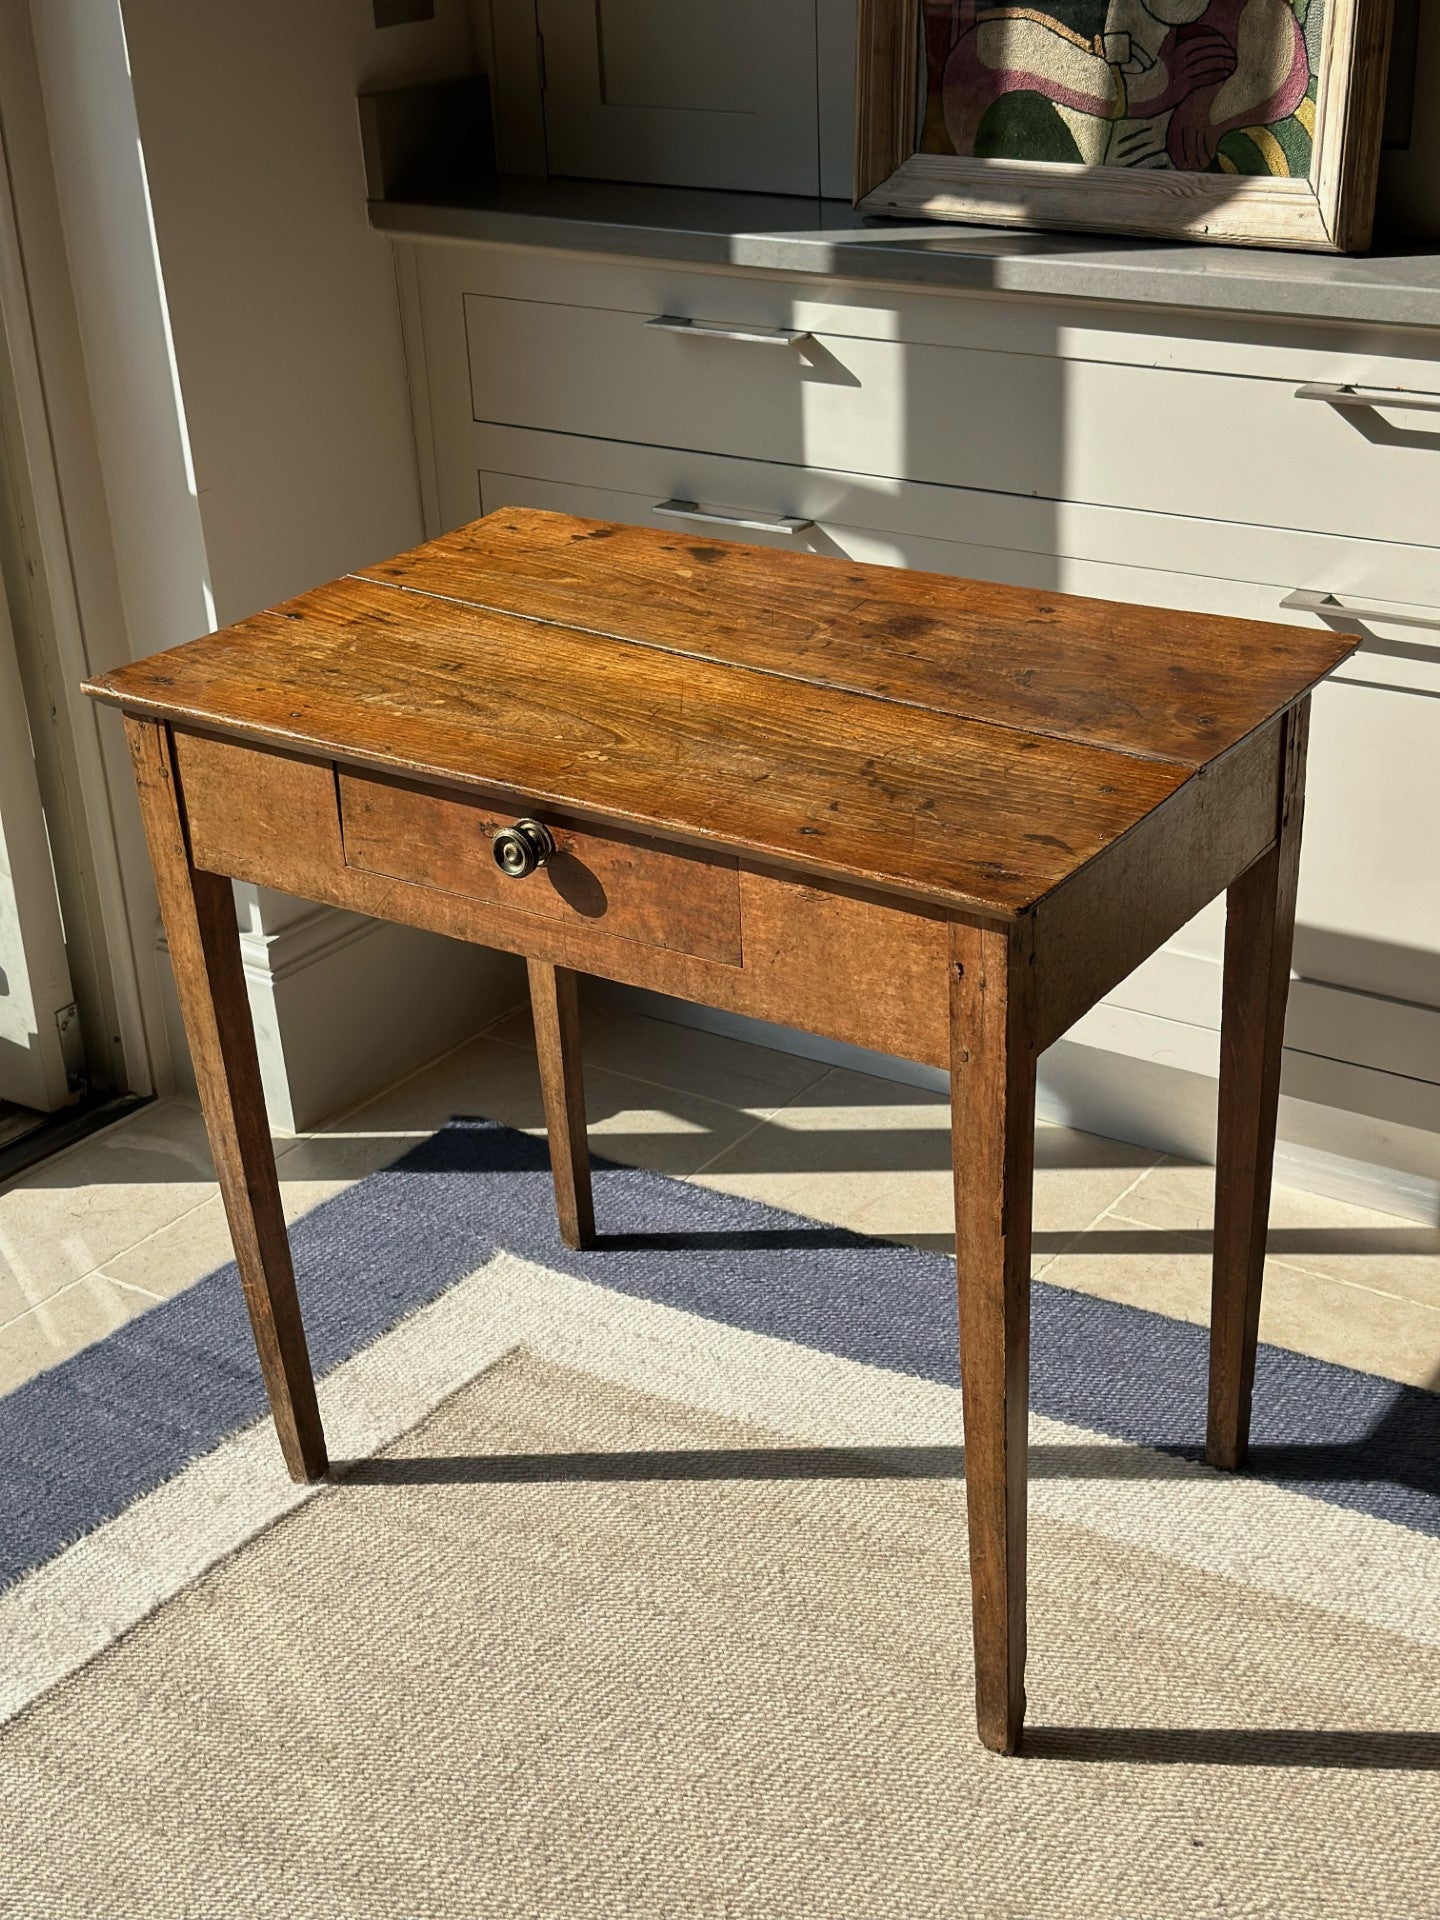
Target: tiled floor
{"x":102,"y":1232}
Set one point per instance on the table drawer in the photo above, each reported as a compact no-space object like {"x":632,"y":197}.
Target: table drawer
{"x":610,"y":881}
{"x":1158,"y":438}
{"x":845,"y":964}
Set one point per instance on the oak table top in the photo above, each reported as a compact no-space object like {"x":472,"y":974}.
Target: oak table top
{"x":906,"y":812}
{"x":965,"y":744}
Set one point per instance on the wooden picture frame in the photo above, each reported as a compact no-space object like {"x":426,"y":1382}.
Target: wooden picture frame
{"x":1330,"y":208}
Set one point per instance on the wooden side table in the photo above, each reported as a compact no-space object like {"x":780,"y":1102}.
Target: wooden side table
{"x":927,"y":816}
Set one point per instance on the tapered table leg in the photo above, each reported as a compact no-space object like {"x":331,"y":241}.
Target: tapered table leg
{"x":1259,"y":936}
{"x":556,"y":1009}
{"x":198,"y":909}
{"x":992,"y":1100}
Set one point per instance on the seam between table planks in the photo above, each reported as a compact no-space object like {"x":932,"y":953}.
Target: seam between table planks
{"x":779,"y":673}
{"x":948,"y":895}
{"x":1195,"y":770}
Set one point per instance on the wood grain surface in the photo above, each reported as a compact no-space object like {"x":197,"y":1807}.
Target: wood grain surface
{"x":1351,"y":120}
{"x":885,"y":90}
{"x":198,"y":910}
{"x":962,"y":813}
{"x":969,"y":746}
{"x":1105,"y":920}
{"x":1164,"y":685}
{"x":1259,"y":939}
{"x":992,"y":1107}
{"x":555,"y":1010}
{"x":793,"y":788}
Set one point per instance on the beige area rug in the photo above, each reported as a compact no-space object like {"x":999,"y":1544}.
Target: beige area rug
{"x":679,"y":1683}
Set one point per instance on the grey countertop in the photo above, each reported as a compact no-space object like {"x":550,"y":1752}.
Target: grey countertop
{"x":827,"y":237}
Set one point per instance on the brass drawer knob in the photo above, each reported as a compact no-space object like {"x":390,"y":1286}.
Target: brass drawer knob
{"x":522,"y":848}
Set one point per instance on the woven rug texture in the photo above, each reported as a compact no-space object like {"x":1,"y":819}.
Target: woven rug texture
{"x":630,"y":1598}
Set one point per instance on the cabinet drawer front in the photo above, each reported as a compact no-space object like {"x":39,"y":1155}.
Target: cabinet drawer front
{"x":609,"y":881}
{"x":1161,"y":439}
{"x":1108,"y":553}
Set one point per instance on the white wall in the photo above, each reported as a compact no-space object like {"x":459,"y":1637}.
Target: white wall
{"x":248,"y":381}
{"x":282,"y":300}
{"x":283,"y":309}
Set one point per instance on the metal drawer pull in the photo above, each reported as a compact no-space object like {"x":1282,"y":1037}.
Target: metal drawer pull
{"x":762,"y":336}
{"x":1369,"y":397}
{"x":522,"y":848}
{"x":1304,"y":600}
{"x":756,"y":522}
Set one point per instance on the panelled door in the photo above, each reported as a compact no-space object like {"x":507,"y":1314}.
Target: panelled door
{"x":711,"y":93}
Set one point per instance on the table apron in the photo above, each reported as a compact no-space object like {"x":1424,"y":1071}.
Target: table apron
{"x":730,"y":933}
{"x":836,"y":962}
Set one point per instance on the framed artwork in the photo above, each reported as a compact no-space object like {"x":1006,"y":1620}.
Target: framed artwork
{"x":1255,"y":122}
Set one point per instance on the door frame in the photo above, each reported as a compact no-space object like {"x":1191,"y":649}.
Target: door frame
{"x":39,"y":1051}
{"x":64,"y":596}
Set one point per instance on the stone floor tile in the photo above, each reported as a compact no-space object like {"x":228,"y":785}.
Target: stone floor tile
{"x":76,"y":1211}
{"x":1310,"y":1230}
{"x":73,"y":1318}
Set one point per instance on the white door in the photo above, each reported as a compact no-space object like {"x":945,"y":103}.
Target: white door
{"x":37,"y":1011}
{"x":711,"y":93}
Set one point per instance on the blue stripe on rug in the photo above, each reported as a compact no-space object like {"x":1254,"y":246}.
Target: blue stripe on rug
{"x":82,"y":1441}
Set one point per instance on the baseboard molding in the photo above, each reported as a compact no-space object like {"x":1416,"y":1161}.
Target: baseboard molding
{"x":1368,"y":1028}
{"x":312,"y":938}
{"x":1350,"y":1133}
{"x":344,"y":1006}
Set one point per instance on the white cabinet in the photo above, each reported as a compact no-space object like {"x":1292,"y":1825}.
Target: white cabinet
{"x":750,"y":95}
{"x":1222,"y":447}
{"x":1369,"y":912}
{"x":717,"y":93}
{"x":1147,"y":558}
{"x":1374,"y":790}
{"x":1169,"y":462}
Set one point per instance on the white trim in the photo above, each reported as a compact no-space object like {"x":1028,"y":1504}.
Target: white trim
{"x":417,"y":369}
{"x":309,"y":940}
{"x":36,"y":988}
{"x":69,"y":549}
{"x":335,"y":1019}
{"x":124,"y":323}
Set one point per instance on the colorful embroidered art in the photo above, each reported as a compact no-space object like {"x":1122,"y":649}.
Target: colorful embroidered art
{"x":1194,"y":86}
